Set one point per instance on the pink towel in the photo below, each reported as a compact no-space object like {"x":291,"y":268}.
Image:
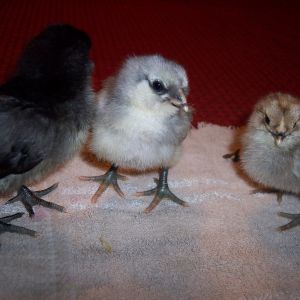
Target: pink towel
{"x":223,"y":246}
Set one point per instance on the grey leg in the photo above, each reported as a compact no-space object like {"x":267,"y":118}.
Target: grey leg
{"x":109,"y":178}
{"x":295,"y":221}
{"x":6,"y":227}
{"x":161,"y":191}
{"x":31,"y":198}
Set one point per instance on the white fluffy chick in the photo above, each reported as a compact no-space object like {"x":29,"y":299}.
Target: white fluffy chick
{"x":271,"y":147}
{"x":142,"y":119}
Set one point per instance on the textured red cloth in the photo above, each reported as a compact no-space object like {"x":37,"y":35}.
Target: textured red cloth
{"x":234,"y":52}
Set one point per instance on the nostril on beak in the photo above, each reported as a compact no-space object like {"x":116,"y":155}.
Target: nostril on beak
{"x":279,"y":137}
{"x":178,"y":99}
{"x":182,"y":98}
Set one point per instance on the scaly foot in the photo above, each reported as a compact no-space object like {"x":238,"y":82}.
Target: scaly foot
{"x":5,"y":227}
{"x":295,"y":220}
{"x":31,"y":198}
{"x":161,"y":191}
{"x":109,"y":178}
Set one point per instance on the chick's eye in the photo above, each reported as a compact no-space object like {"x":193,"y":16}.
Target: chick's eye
{"x":267,"y":120}
{"x":158,"y":86}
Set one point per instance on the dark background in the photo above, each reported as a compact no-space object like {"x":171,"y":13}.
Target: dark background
{"x":234,"y":51}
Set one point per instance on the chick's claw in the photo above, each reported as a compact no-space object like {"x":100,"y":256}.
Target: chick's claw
{"x":164,"y":193}
{"x":146,"y":193}
{"x":295,"y":221}
{"x":109,"y":178}
{"x":31,"y":198}
{"x":5,"y":227}
{"x":161,"y":192}
{"x":46,"y":191}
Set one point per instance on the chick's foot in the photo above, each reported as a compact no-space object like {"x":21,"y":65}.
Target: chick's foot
{"x":161,"y":191}
{"x":5,"y":227}
{"x":109,"y":178}
{"x":295,"y":221}
{"x":31,"y":198}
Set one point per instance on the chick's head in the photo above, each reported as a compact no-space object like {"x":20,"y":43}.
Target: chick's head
{"x":278,"y":116}
{"x":153,"y":83}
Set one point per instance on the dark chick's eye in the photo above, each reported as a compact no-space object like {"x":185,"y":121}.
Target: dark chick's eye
{"x":158,"y":86}
{"x":267,"y":120}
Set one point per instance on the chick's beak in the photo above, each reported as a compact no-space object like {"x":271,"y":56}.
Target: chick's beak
{"x":179,"y":100}
{"x":278,"y":138}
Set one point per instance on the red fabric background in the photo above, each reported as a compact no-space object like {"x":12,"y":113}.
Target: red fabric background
{"x":234,"y":51}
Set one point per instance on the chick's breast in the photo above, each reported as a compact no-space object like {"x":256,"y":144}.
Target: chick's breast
{"x":267,"y":164}
{"x":140,"y":141}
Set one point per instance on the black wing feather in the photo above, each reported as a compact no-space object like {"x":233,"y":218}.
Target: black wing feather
{"x":24,"y":137}
{"x":20,"y":160}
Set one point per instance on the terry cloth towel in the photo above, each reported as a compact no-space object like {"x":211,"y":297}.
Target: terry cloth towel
{"x":223,"y":246}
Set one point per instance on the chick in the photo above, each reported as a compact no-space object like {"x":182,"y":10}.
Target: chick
{"x":46,"y":110}
{"x":142,"y":119}
{"x":271,"y":147}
